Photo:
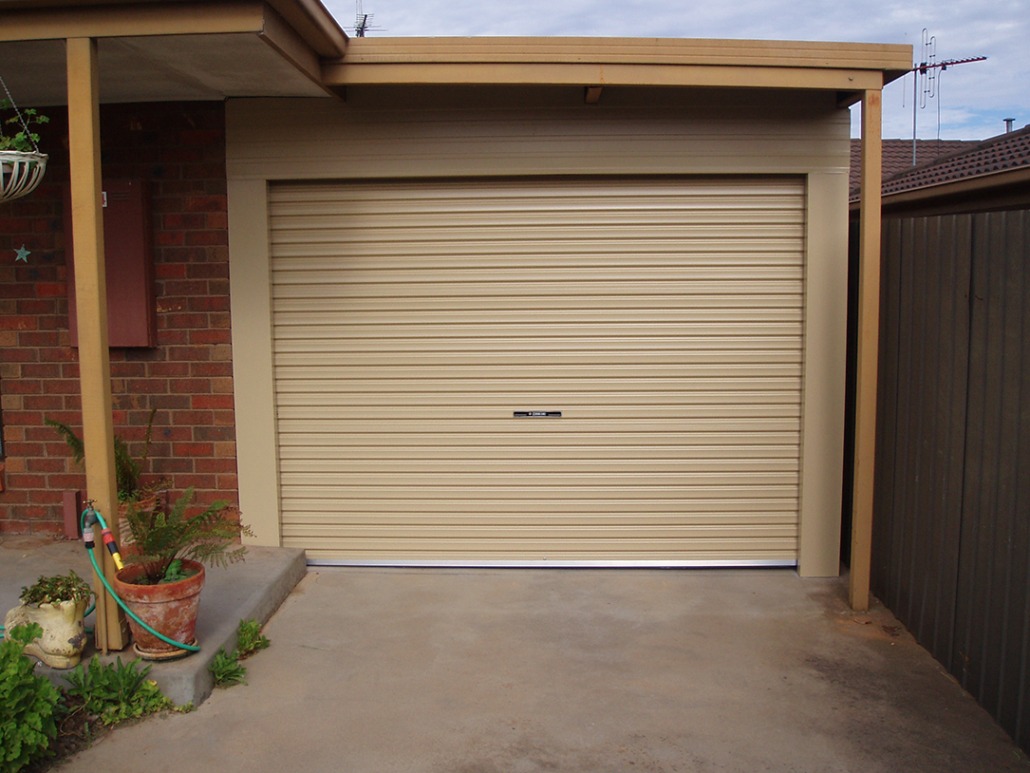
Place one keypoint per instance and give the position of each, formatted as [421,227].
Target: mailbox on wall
[131,311]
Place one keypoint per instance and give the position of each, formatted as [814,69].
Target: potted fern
[167,551]
[57,604]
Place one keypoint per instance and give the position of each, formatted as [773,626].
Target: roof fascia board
[133,21]
[283,38]
[317,27]
[894,60]
[847,67]
[633,50]
[349,74]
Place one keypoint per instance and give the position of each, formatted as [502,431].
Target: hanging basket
[20,173]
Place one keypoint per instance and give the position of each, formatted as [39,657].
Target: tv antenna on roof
[925,81]
[362,21]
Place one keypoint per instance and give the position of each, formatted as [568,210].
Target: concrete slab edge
[189,680]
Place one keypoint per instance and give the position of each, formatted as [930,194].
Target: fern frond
[161,536]
[74,442]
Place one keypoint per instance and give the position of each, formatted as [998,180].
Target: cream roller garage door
[570,371]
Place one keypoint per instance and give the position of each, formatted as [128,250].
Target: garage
[547,302]
[572,371]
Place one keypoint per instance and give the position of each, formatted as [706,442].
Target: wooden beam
[134,20]
[846,67]
[676,51]
[347,73]
[91,294]
[868,351]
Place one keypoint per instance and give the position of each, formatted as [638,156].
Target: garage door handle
[537,414]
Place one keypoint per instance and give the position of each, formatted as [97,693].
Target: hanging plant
[21,164]
[21,138]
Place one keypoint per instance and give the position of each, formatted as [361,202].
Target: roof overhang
[161,50]
[168,50]
[848,69]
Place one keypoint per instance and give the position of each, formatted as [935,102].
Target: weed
[227,670]
[249,638]
[116,691]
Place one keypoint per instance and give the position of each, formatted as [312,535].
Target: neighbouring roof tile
[897,156]
[998,154]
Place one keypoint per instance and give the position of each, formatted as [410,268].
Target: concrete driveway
[477,671]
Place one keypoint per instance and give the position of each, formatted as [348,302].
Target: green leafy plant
[128,468]
[160,537]
[175,572]
[227,669]
[115,691]
[249,638]
[19,138]
[31,704]
[56,588]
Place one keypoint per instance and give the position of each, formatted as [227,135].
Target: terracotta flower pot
[169,608]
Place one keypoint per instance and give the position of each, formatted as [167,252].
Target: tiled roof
[897,156]
[998,154]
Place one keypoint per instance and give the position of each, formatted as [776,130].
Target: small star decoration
[22,255]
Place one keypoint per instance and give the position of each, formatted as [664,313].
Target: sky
[969,101]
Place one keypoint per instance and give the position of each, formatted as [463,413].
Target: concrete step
[253,589]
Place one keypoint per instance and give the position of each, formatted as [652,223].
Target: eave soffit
[170,51]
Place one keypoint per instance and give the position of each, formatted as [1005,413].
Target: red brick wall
[179,149]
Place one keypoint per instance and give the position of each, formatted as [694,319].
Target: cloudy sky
[971,101]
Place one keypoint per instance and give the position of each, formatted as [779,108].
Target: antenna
[925,84]
[362,21]
[928,70]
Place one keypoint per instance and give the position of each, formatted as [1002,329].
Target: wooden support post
[91,296]
[868,352]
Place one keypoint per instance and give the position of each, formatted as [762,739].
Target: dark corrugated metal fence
[952,531]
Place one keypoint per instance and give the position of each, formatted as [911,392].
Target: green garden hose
[88,515]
